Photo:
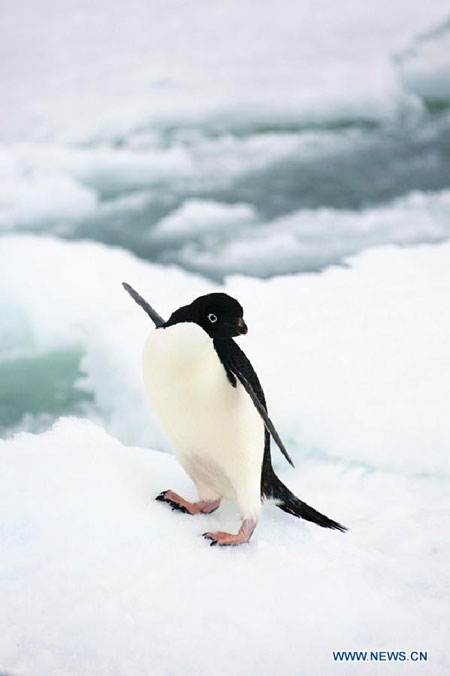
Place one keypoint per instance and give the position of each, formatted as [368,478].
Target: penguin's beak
[241,326]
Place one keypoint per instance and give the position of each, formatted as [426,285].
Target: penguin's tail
[289,503]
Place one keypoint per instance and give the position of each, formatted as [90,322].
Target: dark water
[34,385]
[353,166]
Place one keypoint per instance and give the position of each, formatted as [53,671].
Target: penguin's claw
[176,507]
[215,536]
[179,504]
[228,539]
[225,539]
[209,536]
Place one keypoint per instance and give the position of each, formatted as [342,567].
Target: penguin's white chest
[215,430]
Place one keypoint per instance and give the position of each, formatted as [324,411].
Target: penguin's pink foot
[227,539]
[181,505]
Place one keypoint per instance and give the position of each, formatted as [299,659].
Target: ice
[39,194]
[230,204]
[365,347]
[119,119]
[424,65]
[48,184]
[202,216]
[314,239]
[83,73]
[98,578]
[45,184]
[245,138]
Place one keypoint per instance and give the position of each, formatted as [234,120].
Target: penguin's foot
[181,505]
[227,539]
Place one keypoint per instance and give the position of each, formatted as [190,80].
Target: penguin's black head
[220,315]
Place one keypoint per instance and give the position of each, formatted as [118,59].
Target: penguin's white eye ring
[212,318]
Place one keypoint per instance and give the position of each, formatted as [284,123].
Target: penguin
[211,405]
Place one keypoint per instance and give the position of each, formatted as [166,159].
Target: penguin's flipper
[154,316]
[263,413]
[237,365]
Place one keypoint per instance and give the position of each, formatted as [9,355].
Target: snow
[315,238]
[240,138]
[97,578]
[96,71]
[199,216]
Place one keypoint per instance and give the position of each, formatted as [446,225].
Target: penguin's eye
[212,318]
